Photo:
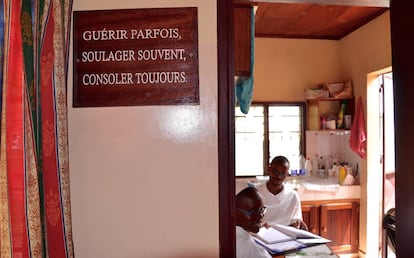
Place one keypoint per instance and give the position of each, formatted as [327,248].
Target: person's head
[249,209]
[278,170]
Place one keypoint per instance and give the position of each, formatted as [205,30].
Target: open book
[280,238]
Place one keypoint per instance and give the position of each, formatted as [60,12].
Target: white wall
[364,54]
[144,179]
[283,68]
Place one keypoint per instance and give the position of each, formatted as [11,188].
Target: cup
[302,171]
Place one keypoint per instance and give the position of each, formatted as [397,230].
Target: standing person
[249,215]
[282,202]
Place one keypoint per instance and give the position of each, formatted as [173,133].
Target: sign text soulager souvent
[135,57]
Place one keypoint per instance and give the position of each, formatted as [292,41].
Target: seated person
[249,215]
[283,203]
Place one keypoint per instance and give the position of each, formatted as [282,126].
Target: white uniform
[283,207]
[246,247]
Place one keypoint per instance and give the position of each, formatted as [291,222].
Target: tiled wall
[331,144]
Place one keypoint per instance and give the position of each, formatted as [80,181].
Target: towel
[358,139]
[244,93]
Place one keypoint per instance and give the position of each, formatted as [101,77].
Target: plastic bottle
[308,167]
[321,167]
[327,164]
[335,170]
[315,168]
[302,162]
[340,121]
[321,163]
[342,174]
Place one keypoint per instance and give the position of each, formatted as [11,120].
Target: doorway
[357,44]
[226,132]
[402,55]
[381,156]
[387,139]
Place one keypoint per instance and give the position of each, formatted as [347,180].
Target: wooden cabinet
[310,214]
[337,220]
[242,39]
[319,107]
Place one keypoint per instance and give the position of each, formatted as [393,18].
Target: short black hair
[280,160]
[246,193]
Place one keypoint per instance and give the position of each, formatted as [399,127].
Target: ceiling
[312,21]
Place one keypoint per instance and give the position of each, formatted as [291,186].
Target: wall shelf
[327,107]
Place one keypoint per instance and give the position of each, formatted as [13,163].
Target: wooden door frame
[226,159]
[402,41]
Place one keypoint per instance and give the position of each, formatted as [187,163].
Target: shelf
[327,107]
[331,99]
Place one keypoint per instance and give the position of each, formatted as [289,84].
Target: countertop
[311,188]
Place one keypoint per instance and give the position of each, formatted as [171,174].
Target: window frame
[266,145]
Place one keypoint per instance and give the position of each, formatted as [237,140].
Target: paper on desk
[281,238]
[271,235]
[281,247]
[302,236]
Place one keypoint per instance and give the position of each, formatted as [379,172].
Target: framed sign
[135,57]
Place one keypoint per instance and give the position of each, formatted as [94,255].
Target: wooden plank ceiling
[313,21]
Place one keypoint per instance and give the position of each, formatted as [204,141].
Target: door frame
[226,159]
[402,40]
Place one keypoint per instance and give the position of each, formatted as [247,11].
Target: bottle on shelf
[340,120]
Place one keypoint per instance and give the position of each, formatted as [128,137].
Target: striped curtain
[35,214]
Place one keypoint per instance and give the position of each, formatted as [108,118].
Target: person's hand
[266,225]
[299,224]
[295,223]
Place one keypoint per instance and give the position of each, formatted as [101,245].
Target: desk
[308,252]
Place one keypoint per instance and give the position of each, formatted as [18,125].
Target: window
[268,130]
